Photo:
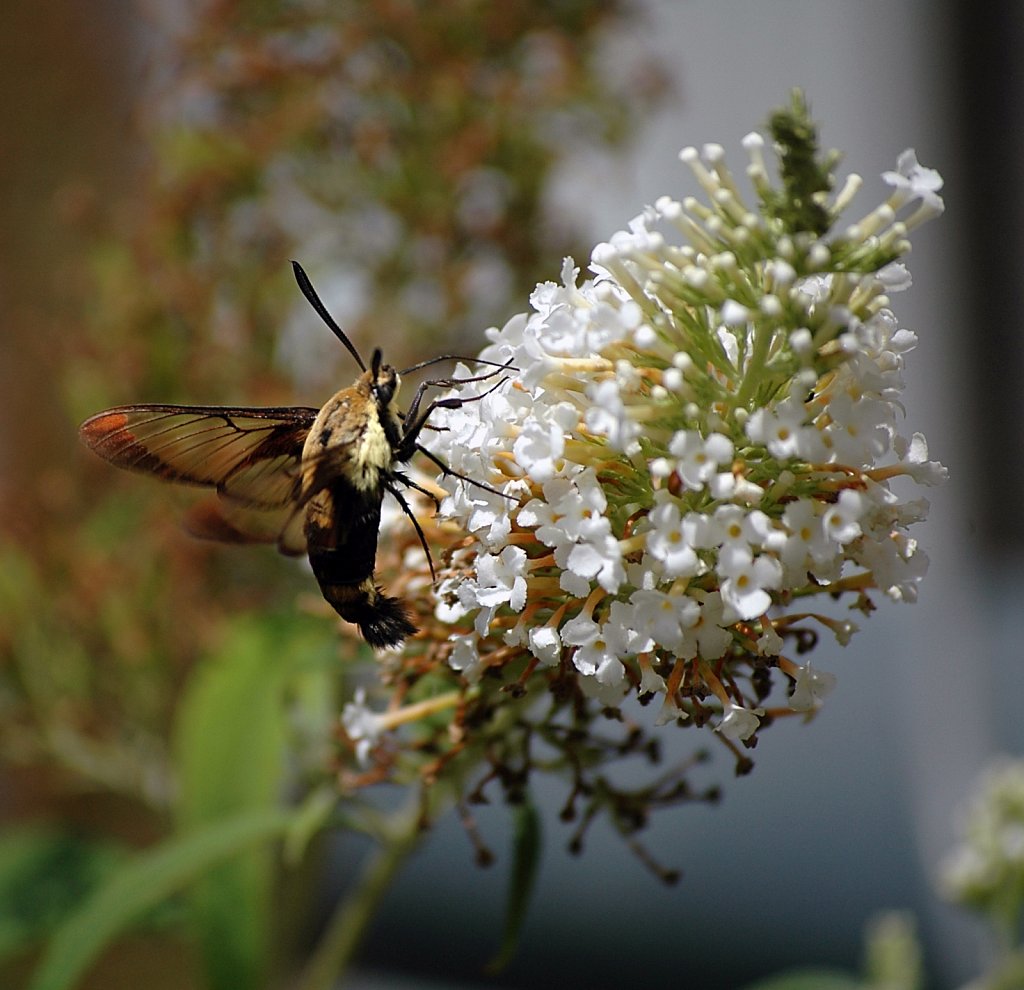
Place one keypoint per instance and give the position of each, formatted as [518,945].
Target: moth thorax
[348,441]
[371,454]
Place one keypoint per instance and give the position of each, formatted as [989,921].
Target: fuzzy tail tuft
[384,621]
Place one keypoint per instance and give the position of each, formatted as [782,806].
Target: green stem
[755,366]
[352,916]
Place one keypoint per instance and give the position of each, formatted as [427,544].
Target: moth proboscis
[308,480]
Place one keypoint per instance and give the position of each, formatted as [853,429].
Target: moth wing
[229,522]
[251,456]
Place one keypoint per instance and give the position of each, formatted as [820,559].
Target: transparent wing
[229,522]
[251,456]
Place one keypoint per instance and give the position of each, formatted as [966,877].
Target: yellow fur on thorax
[357,449]
[371,455]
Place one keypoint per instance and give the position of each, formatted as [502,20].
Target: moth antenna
[314,300]
[457,357]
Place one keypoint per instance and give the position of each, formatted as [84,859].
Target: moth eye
[384,390]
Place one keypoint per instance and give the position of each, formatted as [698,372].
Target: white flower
[546,645]
[913,181]
[988,865]
[807,540]
[541,444]
[362,725]
[608,416]
[669,542]
[599,557]
[698,459]
[667,619]
[572,509]
[914,457]
[732,528]
[769,643]
[502,579]
[713,638]
[859,430]
[670,712]
[784,430]
[810,688]
[841,521]
[651,682]
[465,657]
[739,722]
[747,580]
[896,564]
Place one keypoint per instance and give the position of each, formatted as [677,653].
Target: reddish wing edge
[250,455]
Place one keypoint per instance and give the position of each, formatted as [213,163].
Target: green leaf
[44,874]
[526,851]
[231,746]
[312,816]
[144,882]
[809,979]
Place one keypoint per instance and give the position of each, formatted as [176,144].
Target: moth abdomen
[383,621]
[341,532]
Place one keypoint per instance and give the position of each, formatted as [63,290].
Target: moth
[308,480]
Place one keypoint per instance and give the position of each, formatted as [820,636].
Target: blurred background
[160,161]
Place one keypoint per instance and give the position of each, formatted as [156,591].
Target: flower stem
[353,914]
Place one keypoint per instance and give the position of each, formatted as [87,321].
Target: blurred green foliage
[402,150]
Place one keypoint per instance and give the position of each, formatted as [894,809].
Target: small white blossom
[465,657]
[597,558]
[913,181]
[670,712]
[810,688]
[698,459]
[785,431]
[546,645]
[502,579]
[986,871]
[651,682]
[807,544]
[670,543]
[710,630]
[540,446]
[739,722]
[747,580]
[362,725]
[668,620]
[914,457]
[769,643]
[841,521]
[608,416]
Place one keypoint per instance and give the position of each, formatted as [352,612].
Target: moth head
[384,380]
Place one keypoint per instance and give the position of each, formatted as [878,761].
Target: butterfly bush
[693,443]
[692,456]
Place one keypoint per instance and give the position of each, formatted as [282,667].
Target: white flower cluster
[987,870]
[692,439]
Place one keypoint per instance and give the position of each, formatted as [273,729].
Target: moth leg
[448,472]
[400,499]
[415,420]
[409,483]
[414,406]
